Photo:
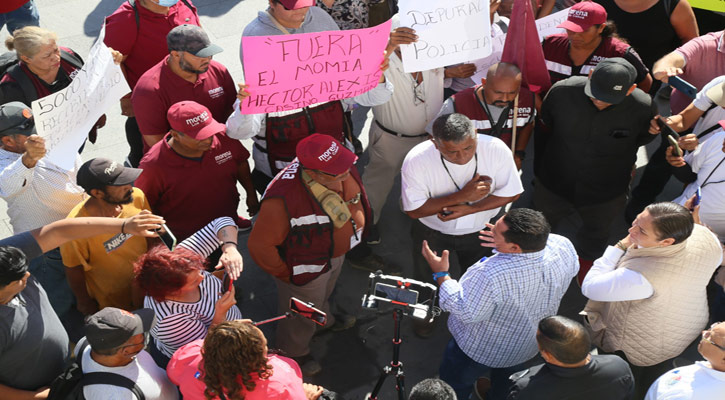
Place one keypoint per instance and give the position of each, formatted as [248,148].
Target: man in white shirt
[452,186]
[37,193]
[702,380]
[117,339]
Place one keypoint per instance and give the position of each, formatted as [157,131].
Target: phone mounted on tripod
[413,298]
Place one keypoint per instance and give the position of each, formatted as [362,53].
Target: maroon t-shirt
[190,193]
[556,53]
[160,88]
[145,44]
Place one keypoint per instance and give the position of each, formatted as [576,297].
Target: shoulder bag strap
[109,378]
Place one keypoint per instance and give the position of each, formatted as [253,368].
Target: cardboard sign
[449,32]
[64,118]
[287,72]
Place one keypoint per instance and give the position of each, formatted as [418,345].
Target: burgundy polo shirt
[160,88]
[190,193]
[145,44]
[11,5]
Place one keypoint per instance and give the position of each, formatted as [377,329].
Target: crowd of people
[146,249]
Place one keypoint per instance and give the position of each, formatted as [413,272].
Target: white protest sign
[64,118]
[546,26]
[449,32]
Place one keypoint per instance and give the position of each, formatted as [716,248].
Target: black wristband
[520,153]
[234,243]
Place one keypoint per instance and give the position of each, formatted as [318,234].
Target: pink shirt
[704,61]
[285,382]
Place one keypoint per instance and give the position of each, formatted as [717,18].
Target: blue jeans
[26,15]
[49,270]
[461,372]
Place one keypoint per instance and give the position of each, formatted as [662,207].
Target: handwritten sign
[712,5]
[287,72]
[64,118]
[546,26]
[449,32]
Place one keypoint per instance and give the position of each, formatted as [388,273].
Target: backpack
[9,65]
[69,385]
[135,11]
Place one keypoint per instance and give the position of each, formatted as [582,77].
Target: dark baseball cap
[16,118]
[324,153]
[611,80]
[191,39]
[112,327]
[100,172]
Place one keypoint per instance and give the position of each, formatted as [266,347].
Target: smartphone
[307,310]
[683,86]
[698,197]
[396,294]
[676,150]
[664,128]
[167,237]
[227,283]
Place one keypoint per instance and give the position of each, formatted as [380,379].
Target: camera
[413,298]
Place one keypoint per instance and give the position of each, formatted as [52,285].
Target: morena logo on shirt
[224,157]
[201,118]
[216,92]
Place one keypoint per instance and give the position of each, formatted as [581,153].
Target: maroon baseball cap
[323,153]
[583,15]
[194,120]
[295,4]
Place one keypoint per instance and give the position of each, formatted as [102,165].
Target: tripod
[396,367]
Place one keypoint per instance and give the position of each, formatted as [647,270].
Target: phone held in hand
[676,150]
[698,197]
[664,128]
[683,86]
[167,237]
[227,283]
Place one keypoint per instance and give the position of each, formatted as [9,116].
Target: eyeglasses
[707,335]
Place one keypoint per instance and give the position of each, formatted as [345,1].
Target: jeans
[49,270]
[461,372]
[26,15]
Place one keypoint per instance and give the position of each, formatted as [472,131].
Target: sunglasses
[707,336]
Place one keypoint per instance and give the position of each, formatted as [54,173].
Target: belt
[396,133]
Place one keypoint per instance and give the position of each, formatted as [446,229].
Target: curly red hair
[160,272]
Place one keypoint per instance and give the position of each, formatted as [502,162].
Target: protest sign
[449,32]
[287,72]
[712,5]
[64,118]
[546,26]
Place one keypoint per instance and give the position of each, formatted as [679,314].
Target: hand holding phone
[167,237]
[676,150]
[666,129]
[698,198]
[683,86]
[227,283]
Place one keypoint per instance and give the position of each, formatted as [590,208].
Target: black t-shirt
[606,377]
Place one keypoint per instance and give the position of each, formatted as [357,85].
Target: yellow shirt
[108,259]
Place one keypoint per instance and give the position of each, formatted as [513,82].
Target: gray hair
[453,128]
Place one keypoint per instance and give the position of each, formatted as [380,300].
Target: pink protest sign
[287,72]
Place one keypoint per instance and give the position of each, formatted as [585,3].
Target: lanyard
[475,170]
[495,125]
[705,182]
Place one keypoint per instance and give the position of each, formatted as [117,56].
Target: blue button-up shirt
[496,307]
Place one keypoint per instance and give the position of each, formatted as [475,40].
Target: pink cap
[295,4]
[194,120]
[323,153]
[583,15]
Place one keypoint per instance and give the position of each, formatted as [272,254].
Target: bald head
[501,85]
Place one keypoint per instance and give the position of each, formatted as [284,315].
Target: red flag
[523,47]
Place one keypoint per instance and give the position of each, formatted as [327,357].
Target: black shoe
[373,235]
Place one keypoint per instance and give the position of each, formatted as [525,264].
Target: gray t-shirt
[34,346]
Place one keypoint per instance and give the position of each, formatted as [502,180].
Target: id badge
[356,238]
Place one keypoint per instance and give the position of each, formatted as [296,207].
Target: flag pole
[513,129]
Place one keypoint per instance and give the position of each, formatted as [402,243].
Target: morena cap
[16,118]
[193,120]
[611,80]
[191,39]
[112,327]
[717,94]
[295,4]
[583,15]
[323,153]
[99,172]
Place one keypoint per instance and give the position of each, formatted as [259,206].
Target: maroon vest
[283,133]
[308,247]
[466,102]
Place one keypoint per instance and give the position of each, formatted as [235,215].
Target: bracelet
[123,225]
[230,242]
[440,275]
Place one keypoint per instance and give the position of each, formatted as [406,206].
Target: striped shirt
[179,323]
[498,303]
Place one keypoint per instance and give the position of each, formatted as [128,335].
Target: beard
[128,199]
[187,67]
